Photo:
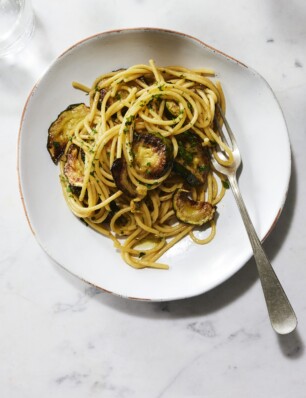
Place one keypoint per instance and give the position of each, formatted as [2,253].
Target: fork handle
[281,313]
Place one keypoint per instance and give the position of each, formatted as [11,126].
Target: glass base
[19,38]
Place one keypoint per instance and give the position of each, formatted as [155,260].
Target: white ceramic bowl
[255,117]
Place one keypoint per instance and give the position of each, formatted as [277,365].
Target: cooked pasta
[135,164]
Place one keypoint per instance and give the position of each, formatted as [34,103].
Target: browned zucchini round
[192,161]
[62,129]
[191,211]
[153,154]
[121,177]
[74,166]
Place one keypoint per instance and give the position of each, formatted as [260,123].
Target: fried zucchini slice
[74,166]
[153,154]
[191,211]
[121,178]
[192,161]
[62,129]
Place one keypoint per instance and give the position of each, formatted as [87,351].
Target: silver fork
[282,316]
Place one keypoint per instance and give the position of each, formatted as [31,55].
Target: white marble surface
[62,338]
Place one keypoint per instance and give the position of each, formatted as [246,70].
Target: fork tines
[229,138]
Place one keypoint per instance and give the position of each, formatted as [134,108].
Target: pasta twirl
[147,134]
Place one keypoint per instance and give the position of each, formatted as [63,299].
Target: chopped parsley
[225,184]
[149,185]
[157,97]
[184,154]
[192,140]
[129,120]
[203,167]
[56,144]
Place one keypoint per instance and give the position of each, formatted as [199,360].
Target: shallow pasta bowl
[194,269]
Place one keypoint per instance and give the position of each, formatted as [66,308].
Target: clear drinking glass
[16,25]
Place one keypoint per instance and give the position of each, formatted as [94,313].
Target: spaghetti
[136,116]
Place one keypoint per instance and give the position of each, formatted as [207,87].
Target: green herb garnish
[185,155]
[129,120]
[203,167]
[225,184]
